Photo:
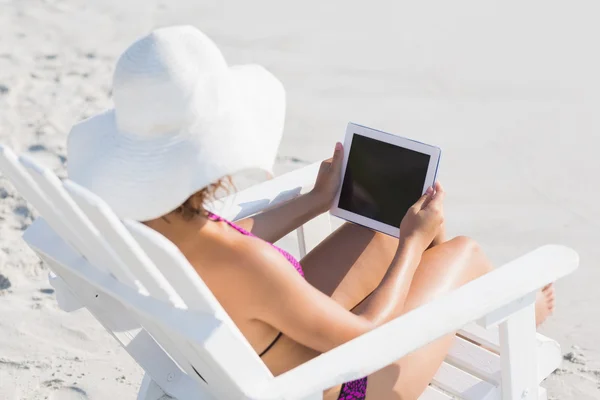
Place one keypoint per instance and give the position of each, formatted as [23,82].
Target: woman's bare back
[213,249]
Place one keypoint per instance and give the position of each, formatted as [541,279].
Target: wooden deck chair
[145,293]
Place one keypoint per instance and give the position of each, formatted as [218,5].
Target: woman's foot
[544,304]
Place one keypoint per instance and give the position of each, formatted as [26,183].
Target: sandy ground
[510,91]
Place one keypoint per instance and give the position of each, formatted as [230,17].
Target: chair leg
[149,390]
[518,353]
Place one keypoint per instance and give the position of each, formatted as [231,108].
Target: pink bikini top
[241,230]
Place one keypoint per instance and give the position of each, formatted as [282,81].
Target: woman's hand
[328,180]
[425,218]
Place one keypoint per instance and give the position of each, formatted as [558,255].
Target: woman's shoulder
[236,266]
[216,246]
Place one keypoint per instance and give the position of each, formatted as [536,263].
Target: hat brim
[144,179]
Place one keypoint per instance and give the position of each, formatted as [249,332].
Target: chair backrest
[139,270]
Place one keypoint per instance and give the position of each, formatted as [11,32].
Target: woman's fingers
[325,165]
[439,190]
[429,192]
[437,200]
[338,156]
[419,204]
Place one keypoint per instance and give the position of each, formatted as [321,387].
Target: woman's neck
[175,227]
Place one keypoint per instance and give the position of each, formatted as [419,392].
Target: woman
[183,122]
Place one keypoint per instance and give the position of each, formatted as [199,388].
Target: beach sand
[509,91]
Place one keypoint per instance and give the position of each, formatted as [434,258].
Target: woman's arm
[280,297]
[277,222]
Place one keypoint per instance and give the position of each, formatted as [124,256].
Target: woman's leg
[351,262]
[443,268]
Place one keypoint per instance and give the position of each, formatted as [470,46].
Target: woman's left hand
[329,179]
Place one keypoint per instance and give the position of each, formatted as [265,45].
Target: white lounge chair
[145,293]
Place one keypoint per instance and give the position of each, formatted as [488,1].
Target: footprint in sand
[69,393]
[60,392]
[4,282]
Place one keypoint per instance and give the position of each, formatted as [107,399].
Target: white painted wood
[165,341]
[267,194]
[518,352]
[246,368]
[175,268]
[115,318]
[432,393]
[549,357]
[500,315]
[96,250]
[316,230]
[24,183]
[302,250]
[431,321]
[64,297]
[149,390]
[464,385]
[488,338]
[28,183]
[475,360]
[185,353]
[121,242]
[173,328]
[548,350]
[79,227]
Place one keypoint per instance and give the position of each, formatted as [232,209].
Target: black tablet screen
[382,180]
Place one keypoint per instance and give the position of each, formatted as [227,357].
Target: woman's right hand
[424,219]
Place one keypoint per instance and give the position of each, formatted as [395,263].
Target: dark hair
[194,205]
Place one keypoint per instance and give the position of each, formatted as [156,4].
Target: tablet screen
[382,181]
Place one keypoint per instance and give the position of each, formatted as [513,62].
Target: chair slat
[143,269]
[464,385]
[548,350]
[175,268]
[126,331]
[96,249]
[267,194]
[118,320]
[476,360]
[243,369]
[24,183]
[189,337]
[432,393]
[126,248]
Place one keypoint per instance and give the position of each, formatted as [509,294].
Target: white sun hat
[182,119]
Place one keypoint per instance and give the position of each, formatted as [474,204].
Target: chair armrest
[267,194]
[395,339]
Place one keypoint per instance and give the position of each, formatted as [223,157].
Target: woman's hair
[194,205]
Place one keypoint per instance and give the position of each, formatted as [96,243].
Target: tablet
[383,176]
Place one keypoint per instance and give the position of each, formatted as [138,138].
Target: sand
[510,91]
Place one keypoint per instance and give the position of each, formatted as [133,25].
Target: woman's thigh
[350,263]
[442,269]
